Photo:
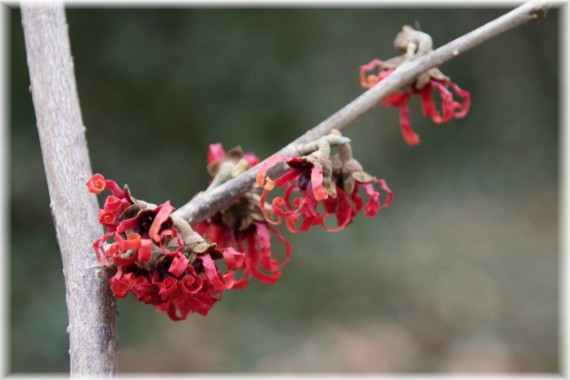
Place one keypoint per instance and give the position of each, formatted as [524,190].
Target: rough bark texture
[207,203]
[91,309]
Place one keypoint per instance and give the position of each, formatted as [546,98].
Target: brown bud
[403,38]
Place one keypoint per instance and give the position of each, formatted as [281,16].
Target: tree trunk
[91,309]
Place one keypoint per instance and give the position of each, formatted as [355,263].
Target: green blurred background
[460,274]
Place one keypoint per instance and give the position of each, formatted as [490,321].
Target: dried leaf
[363,177]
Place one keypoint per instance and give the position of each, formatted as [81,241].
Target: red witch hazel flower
[241,225]
[416,44]
[158,257]
[223,166]
[319,179]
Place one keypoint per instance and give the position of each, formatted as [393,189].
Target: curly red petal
[108,218]
[168,288]
[212,273]
[317,184]
[278,203]
[390,194]
[341,207]
[191,284]
[265,166]
[215,153]
[132,241]
[127,224]
[121,283]
[144,291]
[446,102]
[262,201]
[96,184]
[374,204]
[410,136]
[145,250]
[251,159]
[235,261]
[461,110]
[428,104]
[162,214]
[166,237]
[100,252]
[179,265]
[307,210]
[368,80]
[254,256]
[264,241]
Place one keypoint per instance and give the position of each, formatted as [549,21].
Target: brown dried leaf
[348,184]
[131,211]
[362,177]
[212,168]
[329,186]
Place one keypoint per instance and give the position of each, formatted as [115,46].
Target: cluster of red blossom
[242,225]
[182,269]
[318,178]
[163,261]
[410,40]
[158,258]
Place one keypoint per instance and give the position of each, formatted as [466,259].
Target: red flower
[255,243]
[416,43]
[316,179]
[217,155]
[114,205]
[450,107]
[159,258]
[242,226]
[97,183]
[347,206]
[224,165]
[176,286]
[306,182]
[132,239]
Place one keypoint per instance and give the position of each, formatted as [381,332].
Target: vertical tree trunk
[91,309]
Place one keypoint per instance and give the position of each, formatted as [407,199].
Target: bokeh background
[460,274]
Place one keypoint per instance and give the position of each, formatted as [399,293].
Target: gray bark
[91,309]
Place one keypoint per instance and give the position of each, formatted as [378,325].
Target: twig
[205,204]
[91,309]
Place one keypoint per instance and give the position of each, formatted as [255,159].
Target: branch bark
[91,308]
[207,203]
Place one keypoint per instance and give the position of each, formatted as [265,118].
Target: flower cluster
[158,257]
[320,186]
[241,225]
[180,269]
[416,44]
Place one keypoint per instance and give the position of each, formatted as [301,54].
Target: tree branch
[207,203]
[91,309]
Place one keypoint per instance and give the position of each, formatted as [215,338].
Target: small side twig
[206,204]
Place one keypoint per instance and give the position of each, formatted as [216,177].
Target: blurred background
[460,274]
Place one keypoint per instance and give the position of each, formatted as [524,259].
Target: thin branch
[207,203]
[91,309]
